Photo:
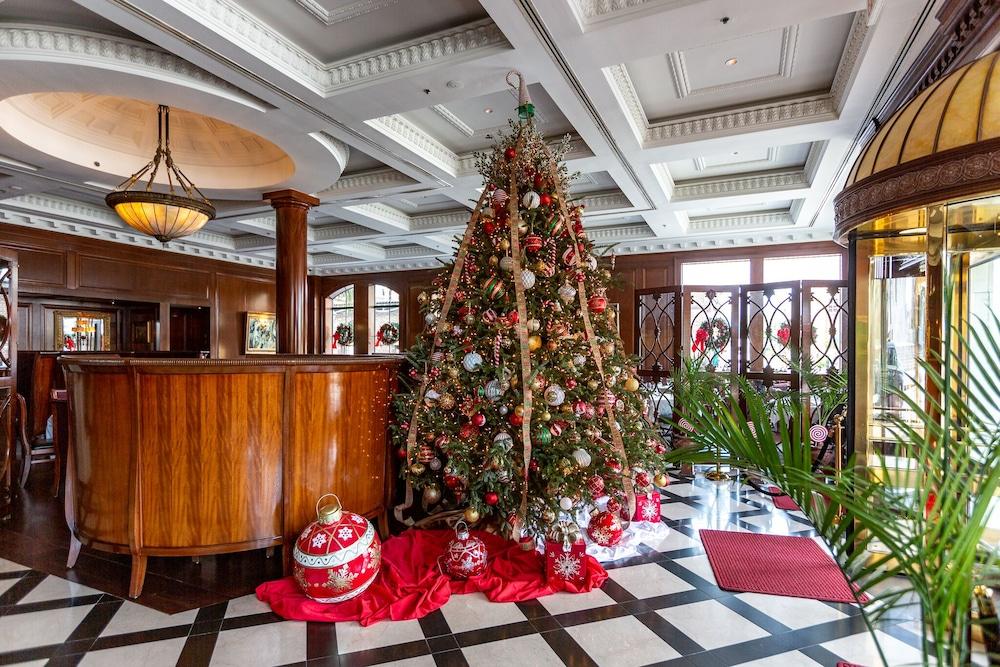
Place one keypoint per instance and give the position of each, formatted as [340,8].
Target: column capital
[291,199]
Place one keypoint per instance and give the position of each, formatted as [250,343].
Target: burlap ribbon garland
[449,297]
[616,437]
[522,332]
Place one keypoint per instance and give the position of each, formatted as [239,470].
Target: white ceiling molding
[590,12]
[370,182]
[728,241]
[453,120]
[340,151]
[438,221]
[624,233]
[732,186]
[763,220]
[628,99]
[772,155]
[78,47]
[850,58]
[342,14]
[453,45]
[405,133]
[786,63]
[603,202]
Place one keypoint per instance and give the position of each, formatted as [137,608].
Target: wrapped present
[647,506]
[565,552]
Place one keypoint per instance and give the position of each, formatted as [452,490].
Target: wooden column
[291,292]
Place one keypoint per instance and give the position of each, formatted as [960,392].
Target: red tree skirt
[411,585]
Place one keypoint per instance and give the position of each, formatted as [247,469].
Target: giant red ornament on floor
[605,529]
[466,554]
[337,556]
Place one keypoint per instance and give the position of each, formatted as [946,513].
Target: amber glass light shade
[164,217]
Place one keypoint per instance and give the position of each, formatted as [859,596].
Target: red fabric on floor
[411,585]
[774,565]
[783,502]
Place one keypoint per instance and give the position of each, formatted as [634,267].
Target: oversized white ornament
[554,395]
[582,457]
[527,278]
[534,325]
[567,292]
[507,263]
[566,504]
[591,262]
[531,199]
[472,361]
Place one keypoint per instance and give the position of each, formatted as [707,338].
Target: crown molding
[343,14]
[341,231]
[365,183]
[764,220]
[457,219]
[786,63]
[731,186]
[403,132]
[612,235]
[628,99]
[850,58]
[446,114]
[237,25]
[590,12]
[577,150]
[729,241]
[78,47]
[603,202]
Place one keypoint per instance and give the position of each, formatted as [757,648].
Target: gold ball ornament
[631,384]
[494,260]
[446,402]
[593,384]
[537,384]
[660,479]
[432,494]
[422,298]
[534,342]
[566,407]
[519,410]
[471,515]
[417,469]
[504,244]
[545,416]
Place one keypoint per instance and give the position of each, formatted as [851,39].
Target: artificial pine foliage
[523,306]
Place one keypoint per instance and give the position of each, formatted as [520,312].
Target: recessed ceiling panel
[743,160]
[783,62]
[464,125]
[334,30]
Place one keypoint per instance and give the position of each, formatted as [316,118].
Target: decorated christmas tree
[522,404]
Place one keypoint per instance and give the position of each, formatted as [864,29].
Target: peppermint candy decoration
[686,425]
[490,316]
[818,433]
[753,429]
[500,197]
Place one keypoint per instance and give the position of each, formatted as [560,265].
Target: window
[816,267]
[340,321]
[383,320]
[729,272]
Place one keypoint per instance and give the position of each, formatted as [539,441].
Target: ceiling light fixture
[162,215]
[732,61]
[487,110]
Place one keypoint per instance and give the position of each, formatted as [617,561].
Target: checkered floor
[662,607]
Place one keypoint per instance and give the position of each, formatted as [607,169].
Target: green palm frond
[930,531]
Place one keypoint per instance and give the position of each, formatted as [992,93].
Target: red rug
[783,502]
[774,565]
[410,584]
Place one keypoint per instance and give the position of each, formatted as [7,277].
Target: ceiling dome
[960,109]
[942,144]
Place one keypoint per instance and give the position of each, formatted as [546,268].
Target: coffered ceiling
[693,123]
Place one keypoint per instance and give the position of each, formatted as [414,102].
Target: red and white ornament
[596,486]
[605,528]
[466,554]
[338,556]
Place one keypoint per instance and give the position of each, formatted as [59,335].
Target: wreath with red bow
[343,335]
[388,334]
[711,335]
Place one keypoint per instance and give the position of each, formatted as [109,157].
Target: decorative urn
[338,556]
[466,554]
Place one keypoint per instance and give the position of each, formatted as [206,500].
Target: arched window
[383,320]
[340,321]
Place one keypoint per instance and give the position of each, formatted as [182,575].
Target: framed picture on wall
[260,334]
[83,331]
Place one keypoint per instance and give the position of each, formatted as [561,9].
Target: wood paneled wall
[632,272]
[60,268]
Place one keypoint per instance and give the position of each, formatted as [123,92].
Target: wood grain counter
[187,457]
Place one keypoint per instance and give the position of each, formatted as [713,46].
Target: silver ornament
[504,440]
[534,325]
[527,278]
[507,263]
[566,504]
[567,292]
[472,361]
[493,390]
[531,199]
[503,409]
[554,395]
[582,457]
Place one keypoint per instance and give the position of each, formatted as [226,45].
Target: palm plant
[931,532]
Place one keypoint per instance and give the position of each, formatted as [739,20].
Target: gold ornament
[548,516]
[504,244]
[519,410]
[545,416]
[566,407]
[534,342]
[538,383]
[494,260]
[422,298]
[660,479]
[432,494]
[607,349]
[471,514]
[631,384]
[593,384]
[417,469]
[447,401]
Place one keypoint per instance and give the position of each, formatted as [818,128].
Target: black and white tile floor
[662,607]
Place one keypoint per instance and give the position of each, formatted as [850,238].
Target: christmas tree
[523,404]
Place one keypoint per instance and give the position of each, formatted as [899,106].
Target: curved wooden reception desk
[186,457]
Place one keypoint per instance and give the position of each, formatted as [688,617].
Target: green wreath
[388,334]
[343,335]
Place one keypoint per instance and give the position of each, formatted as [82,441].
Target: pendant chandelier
[164,216]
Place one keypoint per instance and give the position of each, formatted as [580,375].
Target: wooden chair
[36,376]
